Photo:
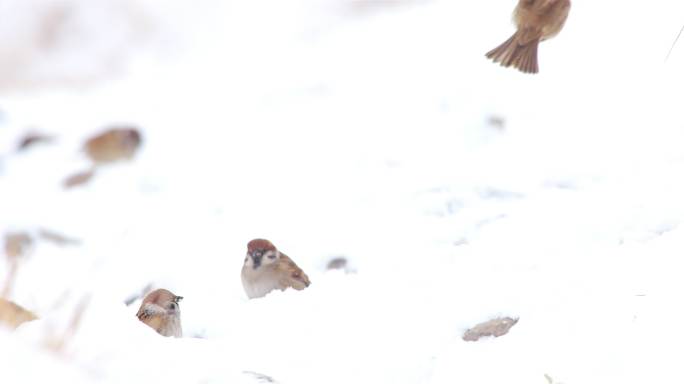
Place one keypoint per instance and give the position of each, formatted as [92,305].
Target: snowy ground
[363,130]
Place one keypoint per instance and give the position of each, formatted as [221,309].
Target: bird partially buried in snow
[161,312]
[536,20]
[266,269]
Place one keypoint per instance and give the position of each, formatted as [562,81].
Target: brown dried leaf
[13,315]
[495,327]
[78,178]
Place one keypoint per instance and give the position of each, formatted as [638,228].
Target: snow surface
[357,129]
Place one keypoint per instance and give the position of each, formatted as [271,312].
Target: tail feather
[520,56]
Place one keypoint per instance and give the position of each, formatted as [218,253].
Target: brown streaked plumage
[266,269]
[161,312]
[114,144]
[536,20]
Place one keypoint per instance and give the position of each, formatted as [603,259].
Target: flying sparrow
[161,312]
[536,20]
[112,145]
[266,269]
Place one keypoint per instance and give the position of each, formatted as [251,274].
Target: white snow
[356,129]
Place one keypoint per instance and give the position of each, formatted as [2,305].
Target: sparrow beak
[256,259]
[178,299]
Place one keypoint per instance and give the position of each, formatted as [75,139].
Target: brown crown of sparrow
[536,20]
[266,269]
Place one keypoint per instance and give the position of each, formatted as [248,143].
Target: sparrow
[266,269]
[160,311]
[114,144]
[536,20]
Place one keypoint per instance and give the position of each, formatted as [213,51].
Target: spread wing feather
[293,276]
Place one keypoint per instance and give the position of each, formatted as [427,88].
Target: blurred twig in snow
[138,295]
[57,343]
[17,244]
[57,238]
[11,276]
[550,380]
[260,377]
[674,43]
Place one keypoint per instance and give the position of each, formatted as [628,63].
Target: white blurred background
[376,131]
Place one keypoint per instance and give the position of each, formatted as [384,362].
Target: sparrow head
[164,300]
[160,311]
[129,138]
[261,252]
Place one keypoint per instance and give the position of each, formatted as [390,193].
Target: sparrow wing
[293,276]
[151,315]
[142,314]
[147,311]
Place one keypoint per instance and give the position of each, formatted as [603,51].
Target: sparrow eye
[173,306]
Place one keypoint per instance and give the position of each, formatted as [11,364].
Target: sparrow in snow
[161,312]
[13,315]
[266,269]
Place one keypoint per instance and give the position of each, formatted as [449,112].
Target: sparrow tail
[520,56]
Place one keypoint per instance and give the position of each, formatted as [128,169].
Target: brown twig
[11,277]
[58,343]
